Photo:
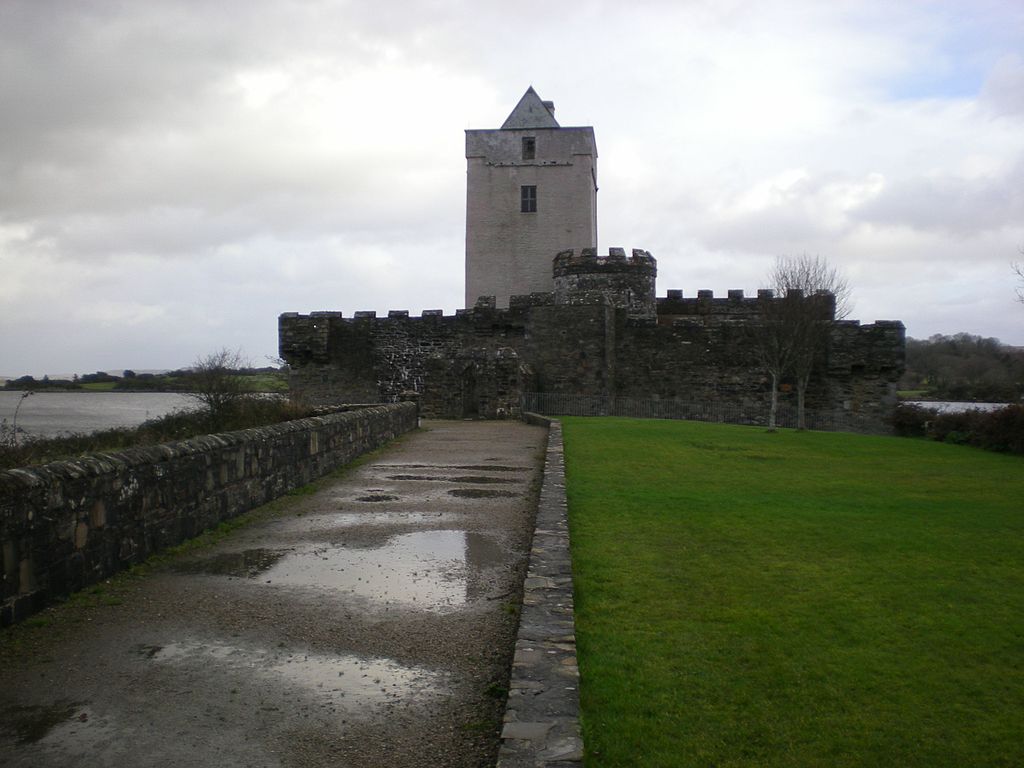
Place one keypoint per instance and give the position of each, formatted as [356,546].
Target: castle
[547,314]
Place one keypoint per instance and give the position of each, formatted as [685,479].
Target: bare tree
[809,295]
[1018,269]
[9,434]
[775,344]
[215,382]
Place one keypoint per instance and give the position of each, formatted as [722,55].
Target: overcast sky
[175,174]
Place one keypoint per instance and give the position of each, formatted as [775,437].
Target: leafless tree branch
[215,383]
[1018,269]
[809,295]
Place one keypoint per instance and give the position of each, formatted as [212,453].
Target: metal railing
[550,404]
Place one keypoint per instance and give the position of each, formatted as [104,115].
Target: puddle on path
[482,479]
[346,680]
[481,493]
[463,467]
[377,497]
[430,570]
[426,569]
[492,468]
[318,521]
[29,724]
[247,563]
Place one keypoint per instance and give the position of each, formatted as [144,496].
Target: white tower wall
[509,251]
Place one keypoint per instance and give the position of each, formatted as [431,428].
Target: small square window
[528,199]
[529,148]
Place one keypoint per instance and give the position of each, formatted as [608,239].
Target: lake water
[956,407]
[53,413]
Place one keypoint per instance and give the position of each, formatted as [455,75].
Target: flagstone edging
[542,726]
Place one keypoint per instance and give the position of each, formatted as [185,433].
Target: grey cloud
[1003,92]
[87,86]
[80,70]
[138,183]
[198,231]
[803,215]
[950,204]
[779,231]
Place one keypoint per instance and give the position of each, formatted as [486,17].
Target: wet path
[369,623]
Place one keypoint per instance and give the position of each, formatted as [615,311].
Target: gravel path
[370,623]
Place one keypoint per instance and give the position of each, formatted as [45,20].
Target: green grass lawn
[795,599]
[265,382]
[251,382]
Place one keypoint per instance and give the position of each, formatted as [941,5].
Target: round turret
[624,282]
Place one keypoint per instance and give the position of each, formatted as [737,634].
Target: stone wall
[72,523]
[476,362]
[625,283]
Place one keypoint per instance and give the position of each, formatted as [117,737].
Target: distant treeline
[181,380]
[964,367]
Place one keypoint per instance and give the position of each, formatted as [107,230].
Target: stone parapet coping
[542,717]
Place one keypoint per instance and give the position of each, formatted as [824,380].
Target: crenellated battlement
[325,317]
[733,294]
[601,330]
[620,281]
[735,306]
[485,304]
[616,260]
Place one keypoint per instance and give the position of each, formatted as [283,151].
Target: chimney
[549,106]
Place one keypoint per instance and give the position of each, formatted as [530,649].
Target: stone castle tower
[550,323]
[531,192]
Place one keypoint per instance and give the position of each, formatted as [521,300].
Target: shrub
[214,382]
[949,425]
[911,420]
[1001,430]
[955,437]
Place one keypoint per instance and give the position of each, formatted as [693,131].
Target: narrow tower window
[529,147]
[528,199]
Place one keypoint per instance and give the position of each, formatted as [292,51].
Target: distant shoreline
[125,390]
[86,390]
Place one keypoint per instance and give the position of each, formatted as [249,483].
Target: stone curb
[542,716]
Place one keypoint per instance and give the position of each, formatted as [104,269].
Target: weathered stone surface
[627,284]
[526,731]
[600,333]
[280,646]
[542,716]
[71,523]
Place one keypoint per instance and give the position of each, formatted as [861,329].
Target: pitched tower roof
[531,112]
